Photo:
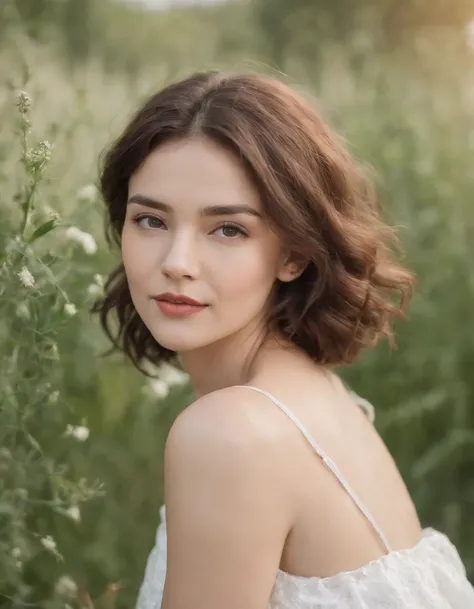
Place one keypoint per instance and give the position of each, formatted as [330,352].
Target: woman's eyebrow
[213,210]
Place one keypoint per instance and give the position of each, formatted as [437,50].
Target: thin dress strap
[328,461]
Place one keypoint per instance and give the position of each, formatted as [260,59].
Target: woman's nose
[181,259]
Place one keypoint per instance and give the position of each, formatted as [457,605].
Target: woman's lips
[174,309]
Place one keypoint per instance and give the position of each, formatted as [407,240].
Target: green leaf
[34,443]
[43,229]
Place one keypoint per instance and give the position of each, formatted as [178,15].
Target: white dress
[429,575]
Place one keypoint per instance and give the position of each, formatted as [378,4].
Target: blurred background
[81,435]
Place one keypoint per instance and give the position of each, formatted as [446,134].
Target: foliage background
[396,78]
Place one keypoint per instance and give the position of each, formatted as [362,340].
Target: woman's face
[194,226]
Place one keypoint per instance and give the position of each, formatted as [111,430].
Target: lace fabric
[430,575]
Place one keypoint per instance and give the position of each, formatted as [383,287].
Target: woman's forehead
[196,172]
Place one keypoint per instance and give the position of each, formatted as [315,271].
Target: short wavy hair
[314,194]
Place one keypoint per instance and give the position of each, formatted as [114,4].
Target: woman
[252,251]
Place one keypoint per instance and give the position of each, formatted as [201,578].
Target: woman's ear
[291,268]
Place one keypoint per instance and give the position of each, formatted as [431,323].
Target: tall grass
[82,436]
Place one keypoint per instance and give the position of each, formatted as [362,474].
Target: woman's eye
[154,222]
[232,231]
[229,231]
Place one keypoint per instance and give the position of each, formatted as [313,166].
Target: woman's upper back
[351,504]
[422,574]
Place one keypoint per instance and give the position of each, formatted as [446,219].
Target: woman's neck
[240,360]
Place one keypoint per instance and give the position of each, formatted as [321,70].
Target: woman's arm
[227,510]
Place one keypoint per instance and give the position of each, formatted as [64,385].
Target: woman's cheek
[247,278]
[138,258]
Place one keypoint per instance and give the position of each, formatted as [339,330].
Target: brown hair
[313,193]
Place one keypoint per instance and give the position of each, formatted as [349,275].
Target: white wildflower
[70,309]
[74,513]
[23,311]
[38,156]
[49,543]
[89,244]
[26,278]
[23,102]
[66,586]
[74,233]
[99,280]
[159,387]
[149,368]
[85,239]
[171,375]
[88,193]
[16,553]
[53,397]
[42,151]
[94,290]
[80,432]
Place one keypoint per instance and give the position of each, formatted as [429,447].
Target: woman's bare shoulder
[225,418]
